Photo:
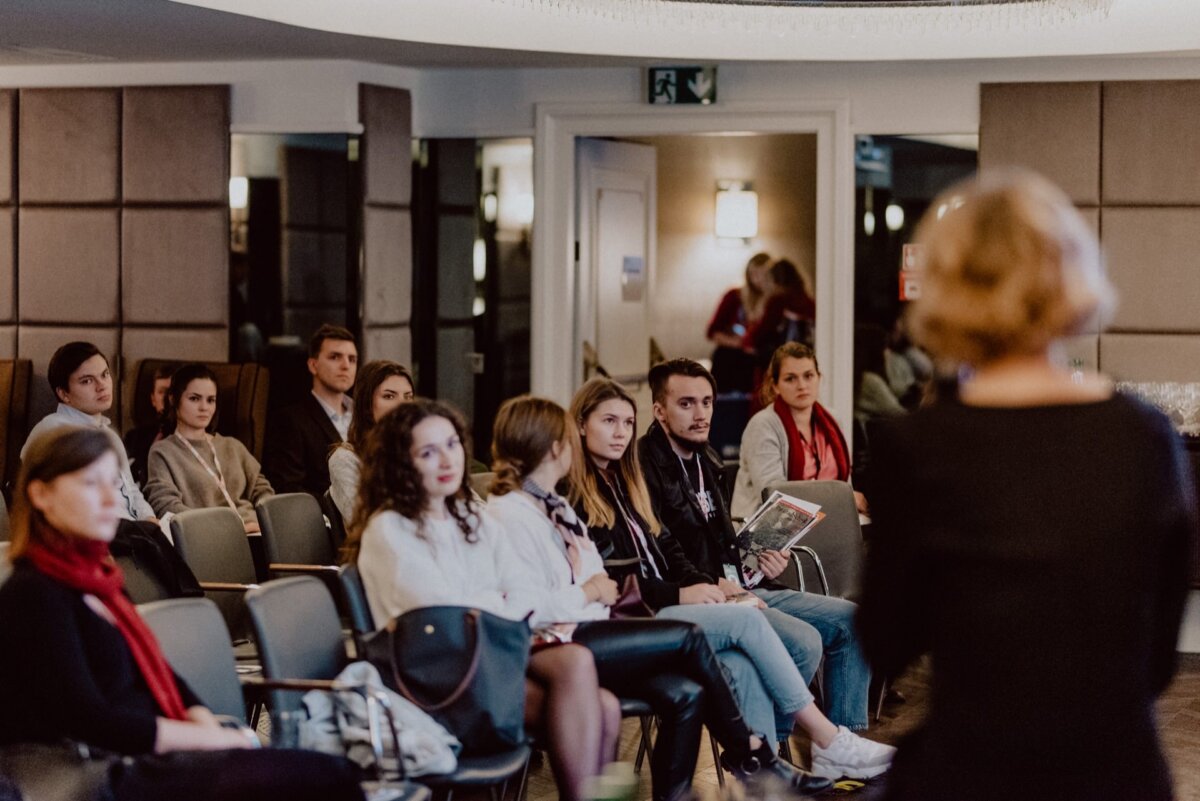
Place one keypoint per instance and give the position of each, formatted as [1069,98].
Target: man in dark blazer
[301,436]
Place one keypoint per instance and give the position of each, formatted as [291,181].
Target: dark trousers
[669,665]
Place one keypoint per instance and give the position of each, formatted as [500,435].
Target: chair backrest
[837,539]
[355,595]
[14,415]
[480,482]
[193,638]
[5,565]
[3,520]
[294,531]
[242,391]
[298,633]
[337,526]
[213,543]
[141,584]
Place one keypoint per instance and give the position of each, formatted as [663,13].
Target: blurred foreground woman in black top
[78,664]
[1031,535]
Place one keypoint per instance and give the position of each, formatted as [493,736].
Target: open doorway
[666,228]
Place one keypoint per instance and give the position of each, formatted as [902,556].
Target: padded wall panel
[1150,357]
[386,115]
[69,145]
[387,343]
[456,169]
[387,269]
[1151,142]
[183,344]
[8,106]
[38,343]
[1051,128]
[1152,262]
[68,261]
[175,144]
[8,342]
[175,266]
[8,264]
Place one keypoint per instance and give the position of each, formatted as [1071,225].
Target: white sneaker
[851,757]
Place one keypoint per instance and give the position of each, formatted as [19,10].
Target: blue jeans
[804,620]
[760,670]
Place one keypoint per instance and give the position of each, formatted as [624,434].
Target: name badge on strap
[732,574]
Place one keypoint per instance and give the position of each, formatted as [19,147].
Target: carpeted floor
[1179,720]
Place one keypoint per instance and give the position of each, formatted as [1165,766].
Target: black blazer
[299,439]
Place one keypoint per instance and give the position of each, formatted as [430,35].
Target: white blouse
[543,562]
[402,570]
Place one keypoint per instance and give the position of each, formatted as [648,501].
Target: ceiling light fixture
[814,16]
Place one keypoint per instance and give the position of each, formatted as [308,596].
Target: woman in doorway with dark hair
[380,386]
[788,313]
[79,664]
[420,539]
[193,467]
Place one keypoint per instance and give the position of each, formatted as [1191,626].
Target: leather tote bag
[630,603]
[464,667]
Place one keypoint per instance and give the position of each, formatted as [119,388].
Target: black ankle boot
[762,766]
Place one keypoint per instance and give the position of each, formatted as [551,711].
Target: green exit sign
[682,85]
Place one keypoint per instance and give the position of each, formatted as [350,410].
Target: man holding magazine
[687,490]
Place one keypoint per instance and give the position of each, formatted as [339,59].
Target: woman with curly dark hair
[420,540]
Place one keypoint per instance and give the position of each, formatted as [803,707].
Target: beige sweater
[176,482]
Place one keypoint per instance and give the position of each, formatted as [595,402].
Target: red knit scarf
[85,565]
[823,424]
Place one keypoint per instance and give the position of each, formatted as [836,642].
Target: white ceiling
[546,33]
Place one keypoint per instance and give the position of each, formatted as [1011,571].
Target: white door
[616,224]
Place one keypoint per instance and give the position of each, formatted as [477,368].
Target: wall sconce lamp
[239,192]
[737,210]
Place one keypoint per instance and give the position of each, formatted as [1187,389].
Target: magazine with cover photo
[777,525]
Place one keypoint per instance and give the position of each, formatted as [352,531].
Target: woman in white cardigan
[419,540]
[793,438]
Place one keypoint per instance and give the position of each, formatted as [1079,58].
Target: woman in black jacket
[78,664]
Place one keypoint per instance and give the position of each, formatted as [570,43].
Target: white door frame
[555,356]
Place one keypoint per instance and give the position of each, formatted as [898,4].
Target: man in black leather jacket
[688,491]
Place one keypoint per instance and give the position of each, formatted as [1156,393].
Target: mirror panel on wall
[897,179]
[472,219]
[293,247]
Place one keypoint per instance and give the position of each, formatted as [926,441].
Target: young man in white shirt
[80,378]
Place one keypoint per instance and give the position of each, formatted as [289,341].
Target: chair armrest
[226,586]
[288,567]
[797,551]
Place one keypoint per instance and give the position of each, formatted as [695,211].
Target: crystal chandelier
[780,17]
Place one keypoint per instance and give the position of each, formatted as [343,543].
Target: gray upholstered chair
[213,543]
[830,557]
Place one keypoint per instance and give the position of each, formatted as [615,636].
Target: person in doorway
[739,309]
[381,386]
[80,378]
[193,467]
[788,313]
[301,435]
[794,437]
[685,479]
[1033,535]
[139,438]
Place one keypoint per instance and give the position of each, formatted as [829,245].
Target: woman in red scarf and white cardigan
[793,438]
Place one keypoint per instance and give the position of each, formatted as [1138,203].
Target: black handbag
[464,667]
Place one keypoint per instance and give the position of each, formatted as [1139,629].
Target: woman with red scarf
[79,665]
[793,438]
